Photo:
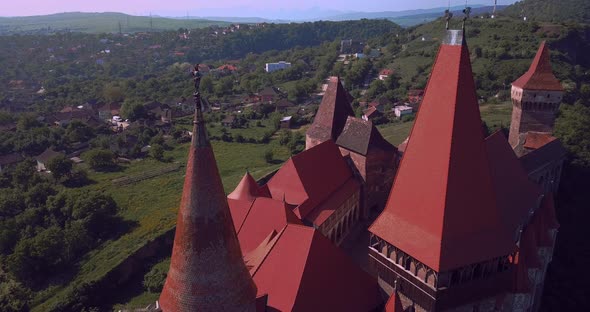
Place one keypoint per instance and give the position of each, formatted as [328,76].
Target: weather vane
[448,17]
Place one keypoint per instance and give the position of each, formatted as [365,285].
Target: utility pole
[151,22]
[120,32]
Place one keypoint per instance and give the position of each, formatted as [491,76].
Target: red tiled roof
[207,270]
[370,111]
[301,270]
[263,216]
[332,113]
[516,195]
[322,212]
[535,140]
[442,207]
[315,172]
[394,304]
[311,177]
[540,75]
[386,72]
[247,189]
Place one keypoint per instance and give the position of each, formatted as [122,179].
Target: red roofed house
[415,96]
[536,97]
[385,73]
[452,227]
[372,157]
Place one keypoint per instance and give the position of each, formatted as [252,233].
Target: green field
[495,116]
[152,204]
[98,23]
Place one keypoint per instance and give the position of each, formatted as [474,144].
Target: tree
[572,127]
[24,174]
[99,159]
[132,110]
[78,131]
[113,93]
[157,152]
[207,85]
[60,167]
[14,297]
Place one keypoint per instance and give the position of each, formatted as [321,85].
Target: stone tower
[536,97]
[207,272]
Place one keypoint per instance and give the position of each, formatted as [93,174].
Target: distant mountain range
[403,18]
[110,22]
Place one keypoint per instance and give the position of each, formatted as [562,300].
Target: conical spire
[540,75]
[332,113]
[247,189]
[207,272]
[437,211]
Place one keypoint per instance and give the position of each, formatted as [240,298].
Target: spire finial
[448,16]
[467,12]
[199,131]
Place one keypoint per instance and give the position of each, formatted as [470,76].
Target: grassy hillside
[97,23]
[501,50]
[551,10]
[151,205]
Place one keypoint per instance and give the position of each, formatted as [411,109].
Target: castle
[468,225]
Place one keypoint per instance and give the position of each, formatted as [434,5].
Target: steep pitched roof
[48,155]
[247,189]
[263,216]
[301,270]
[332,113]
[442,207]
[547,153]
[207,272]
[394,304]
[540,75]
[516,195]
[360,136]
[311,177]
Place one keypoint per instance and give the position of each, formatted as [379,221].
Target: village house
[402,110]
[229,121]
[272,67]
[385,73]
[44,158]
[284,105]
[285,122]
[269,94]
[371,113]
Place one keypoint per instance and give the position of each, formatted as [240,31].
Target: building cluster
[468,225]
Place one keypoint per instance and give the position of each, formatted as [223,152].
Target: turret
[207,272]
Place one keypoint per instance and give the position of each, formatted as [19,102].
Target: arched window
[408,263]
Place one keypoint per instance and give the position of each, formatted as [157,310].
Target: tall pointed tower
[441,237]
[535,98]
[207,272]
[331,116]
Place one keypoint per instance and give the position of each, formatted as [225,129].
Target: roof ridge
[449,163]
[246,216]
[274,242]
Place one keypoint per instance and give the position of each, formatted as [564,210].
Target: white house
[271,67]
[402,110]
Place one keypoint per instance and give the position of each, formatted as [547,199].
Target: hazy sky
[216,7]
